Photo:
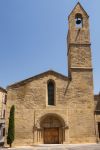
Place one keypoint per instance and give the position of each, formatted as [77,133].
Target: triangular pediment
[79,7]
[49,72]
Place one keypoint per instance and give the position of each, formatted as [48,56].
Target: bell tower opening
[78,20]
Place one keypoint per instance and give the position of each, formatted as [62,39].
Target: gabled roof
[81,8]
[49,72]
[2,89]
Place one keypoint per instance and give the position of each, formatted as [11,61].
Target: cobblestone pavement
[59,147]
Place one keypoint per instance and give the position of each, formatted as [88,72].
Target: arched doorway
[53,129]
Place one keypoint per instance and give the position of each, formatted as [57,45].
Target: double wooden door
[51,136]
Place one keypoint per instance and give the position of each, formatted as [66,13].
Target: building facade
[3,97]
[97,116]
[51,108]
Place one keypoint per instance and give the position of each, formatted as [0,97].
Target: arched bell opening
[53,129]
[78,20]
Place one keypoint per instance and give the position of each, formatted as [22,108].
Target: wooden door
[51,136]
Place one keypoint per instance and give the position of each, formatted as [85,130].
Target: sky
[33,38]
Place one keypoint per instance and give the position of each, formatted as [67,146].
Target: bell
[78,21]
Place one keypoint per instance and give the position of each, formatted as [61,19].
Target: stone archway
[53,129]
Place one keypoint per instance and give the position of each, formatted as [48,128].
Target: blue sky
[33,38]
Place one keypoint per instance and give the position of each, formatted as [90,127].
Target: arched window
[51,93]
[78,20]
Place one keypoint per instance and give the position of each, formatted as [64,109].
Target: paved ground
[59,147]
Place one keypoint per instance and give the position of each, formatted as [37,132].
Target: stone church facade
[52,108]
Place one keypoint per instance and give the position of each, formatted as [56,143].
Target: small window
[78,21]
[3,131]
[99,129]
[5,99]
[51,92]
[3,113]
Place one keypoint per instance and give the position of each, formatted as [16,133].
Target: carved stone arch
[55,118]
[53,127]
[51,80]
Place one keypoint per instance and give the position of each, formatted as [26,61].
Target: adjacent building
[3,98]
[97,116]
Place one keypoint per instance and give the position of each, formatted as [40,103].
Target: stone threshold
[53,145]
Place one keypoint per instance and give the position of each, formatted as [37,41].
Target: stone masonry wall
[30,98]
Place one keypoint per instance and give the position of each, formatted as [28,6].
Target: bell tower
[81,102]
[78,39]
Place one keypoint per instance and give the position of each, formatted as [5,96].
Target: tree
[11,127]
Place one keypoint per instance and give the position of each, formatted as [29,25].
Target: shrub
[11,127]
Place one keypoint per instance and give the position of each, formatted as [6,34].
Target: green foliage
[11,127]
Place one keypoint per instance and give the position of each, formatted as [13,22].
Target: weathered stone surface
[74,98]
